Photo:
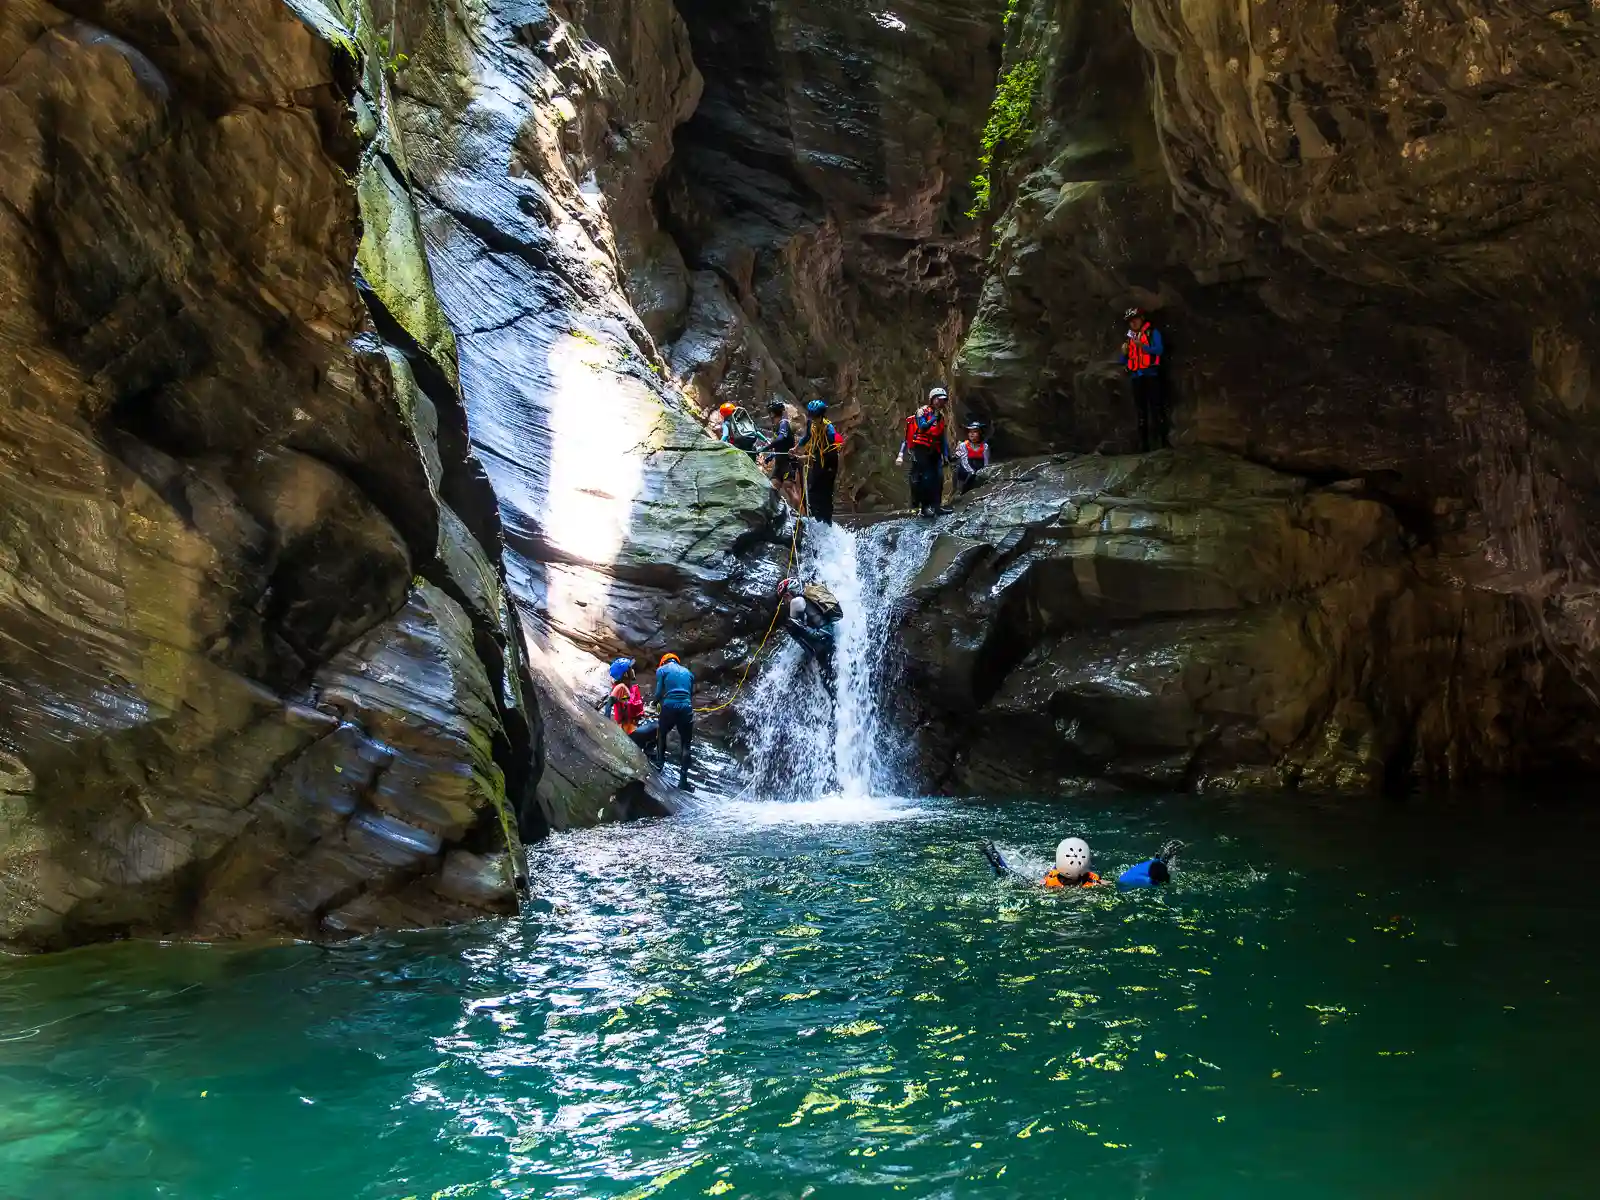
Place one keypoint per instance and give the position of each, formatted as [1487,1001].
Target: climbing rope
[794,549]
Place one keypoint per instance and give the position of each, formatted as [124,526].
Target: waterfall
[802,743]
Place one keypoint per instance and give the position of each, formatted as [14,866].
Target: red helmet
[727,409]
[787,586]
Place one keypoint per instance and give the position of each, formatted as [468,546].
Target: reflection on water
[1327,1004]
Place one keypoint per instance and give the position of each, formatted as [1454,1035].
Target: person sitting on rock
[1142,357]
[625,705]
[675,698]
[811,614]
[819,450]
[972,456]
[738,430]
[929,447]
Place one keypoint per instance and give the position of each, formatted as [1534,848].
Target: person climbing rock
[811,613]
[972,456]
[1142,357]
[625,705]
[819,454]
[738,430]
[675,698]
[929,446]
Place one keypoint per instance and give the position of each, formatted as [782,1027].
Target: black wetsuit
[816,635]
[785,463]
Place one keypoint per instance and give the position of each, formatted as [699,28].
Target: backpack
[825,602]
[742,430]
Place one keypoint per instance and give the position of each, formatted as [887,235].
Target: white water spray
[804,744]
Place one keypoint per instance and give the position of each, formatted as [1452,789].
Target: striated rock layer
[253,677]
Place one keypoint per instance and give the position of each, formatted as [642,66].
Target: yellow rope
[794,547]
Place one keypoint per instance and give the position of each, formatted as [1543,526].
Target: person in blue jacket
[675,696]
[1142,358]
[1152,872]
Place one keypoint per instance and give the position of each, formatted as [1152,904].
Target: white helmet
[1073,858]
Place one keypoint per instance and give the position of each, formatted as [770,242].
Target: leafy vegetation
[1010,122]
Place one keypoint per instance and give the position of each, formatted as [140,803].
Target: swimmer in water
[1073,863]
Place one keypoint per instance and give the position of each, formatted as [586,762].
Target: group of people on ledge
[811,455]
[810,613]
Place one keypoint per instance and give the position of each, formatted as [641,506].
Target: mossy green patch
[394,262]
[1009,125]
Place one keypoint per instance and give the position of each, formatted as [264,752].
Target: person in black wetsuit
[780,446]
[810,614]
[819,452]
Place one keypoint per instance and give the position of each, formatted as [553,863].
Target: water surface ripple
[1329,1003]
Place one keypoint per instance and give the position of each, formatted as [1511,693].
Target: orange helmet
[666,658]
[727,409]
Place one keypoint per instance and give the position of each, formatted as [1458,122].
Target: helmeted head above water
[787,587]
[1073,858]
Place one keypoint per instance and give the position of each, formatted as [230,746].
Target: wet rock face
[1189,621]
[229,702]
[813,239]
[1370,263]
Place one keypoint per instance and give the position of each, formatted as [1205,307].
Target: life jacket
[925,429]
[741,430]
[977,456]
[823,602]
[627,706]
[1054,879]
[1139,357]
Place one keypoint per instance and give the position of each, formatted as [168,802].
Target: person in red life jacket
[626,705]
[1142,358]
[929,446]
[972,456]
[819,450]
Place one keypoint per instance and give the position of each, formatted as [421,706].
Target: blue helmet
[817,407]
[620,667]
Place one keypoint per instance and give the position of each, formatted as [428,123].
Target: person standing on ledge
[1142,357]
[929,447]
[819,451]
[675,695]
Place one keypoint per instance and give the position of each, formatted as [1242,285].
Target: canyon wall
[1371,255]
[252,677]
